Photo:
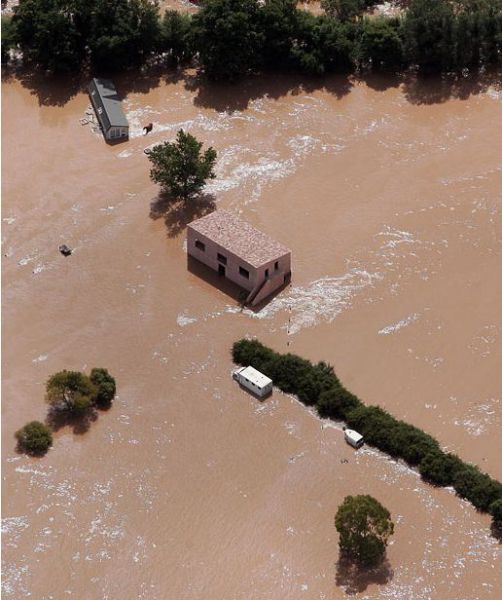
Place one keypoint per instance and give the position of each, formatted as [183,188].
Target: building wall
[210,258]
[114,133]
[275,271]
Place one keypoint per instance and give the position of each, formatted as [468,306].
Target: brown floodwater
[188,488]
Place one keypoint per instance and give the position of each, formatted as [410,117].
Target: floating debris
[65,250]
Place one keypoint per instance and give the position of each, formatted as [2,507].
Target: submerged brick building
[241,253]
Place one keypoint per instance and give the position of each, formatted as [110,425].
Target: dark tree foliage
[364,526]
[344,10]
[176,36]
[279,24]
[228,37]
[323,45]
[337,403]
[180,167]
[479,488]
[428,34]
[318,385]
[496,512]
[124,33]
[440,468]
[48,34]
[9,37]
[380,43]
[71,392]
[105,386]
[34,438]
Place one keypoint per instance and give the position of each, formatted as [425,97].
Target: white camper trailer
[254,381]
[353,438]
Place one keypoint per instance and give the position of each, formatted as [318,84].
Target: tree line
[228,39]
[317,385]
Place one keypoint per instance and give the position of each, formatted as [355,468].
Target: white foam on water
[39,268]
[493,93]
[399,325]
[125,153]
[27,259]
[184,320]
[322,300]
[40,358]
[14,525]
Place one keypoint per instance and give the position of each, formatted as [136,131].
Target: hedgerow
[317,385]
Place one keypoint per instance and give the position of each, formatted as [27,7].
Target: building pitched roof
[104,95]
[239,238]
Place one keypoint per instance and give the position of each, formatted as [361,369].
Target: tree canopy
[105,387]
[70,391]
[124,33]
[49,34]
[180,167]
[228,37]
[364,526]
[34,438]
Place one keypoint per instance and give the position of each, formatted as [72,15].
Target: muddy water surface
[188,488]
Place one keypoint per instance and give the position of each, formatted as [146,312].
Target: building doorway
[221,270]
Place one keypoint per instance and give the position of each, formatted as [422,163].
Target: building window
[244,272]
[266,273]
[222,259]
[276,265]
[200,245]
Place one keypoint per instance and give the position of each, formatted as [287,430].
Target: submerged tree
[124,33]
[9,37]
[34,438]
[180,167]
[228,36]
[71,392]
[49,35]
[105,385]
[364,526]
[380,43]
[428,35]
[175,38]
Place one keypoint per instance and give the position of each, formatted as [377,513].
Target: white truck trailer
[353,438]
[254,381]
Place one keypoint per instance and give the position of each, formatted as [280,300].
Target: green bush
[476,487]
[440,468]
[336,402]
[496,512]
[34,438]
[105,385]
[77,394]
[175,37]
[70,392]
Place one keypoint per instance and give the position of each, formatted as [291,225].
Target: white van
[353,438]
[253,380]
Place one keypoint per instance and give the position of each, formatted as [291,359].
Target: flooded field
[188,488]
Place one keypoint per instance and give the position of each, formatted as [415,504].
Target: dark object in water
[147,128]
[65,250]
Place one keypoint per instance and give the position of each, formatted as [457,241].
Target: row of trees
[70,395]
[317,385]
[230,38]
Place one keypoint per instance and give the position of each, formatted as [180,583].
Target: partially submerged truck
[256,382]
[353,438]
